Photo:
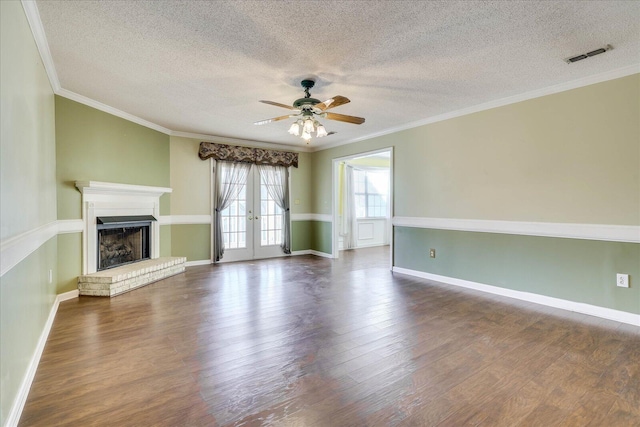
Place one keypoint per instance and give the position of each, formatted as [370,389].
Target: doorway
[363,201]
[252,223]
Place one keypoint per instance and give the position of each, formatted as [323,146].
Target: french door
[252,223]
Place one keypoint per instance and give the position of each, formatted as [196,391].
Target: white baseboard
[68,295]
[23,392]
[199,262]
[305,252]
[312,252]
[322,254]
[578,307]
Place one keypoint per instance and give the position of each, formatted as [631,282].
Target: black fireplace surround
[123,240]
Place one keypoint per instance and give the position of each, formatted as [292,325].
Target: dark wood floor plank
[308,341]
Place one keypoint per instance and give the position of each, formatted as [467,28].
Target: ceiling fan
[308,109]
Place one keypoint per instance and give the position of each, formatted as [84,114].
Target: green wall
[320,236]
[301,187]
[165,240]
[26,298]
[314,235]
[191,184]
[27,131]
[92,145]
[69,261]
[518,162]
[190,178]
[571,269]
[192,241]
[300,235]
[570,157]
[27,197]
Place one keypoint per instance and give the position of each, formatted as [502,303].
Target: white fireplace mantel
[113,199]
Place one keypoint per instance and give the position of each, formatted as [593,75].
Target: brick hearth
[114,281]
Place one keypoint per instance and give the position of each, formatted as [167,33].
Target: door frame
[335,248]
[212,198]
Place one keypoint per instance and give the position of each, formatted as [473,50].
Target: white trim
[35,23]
[311,252]
[110,110]
[135,119]
[15,249]
[200,262]
[606,232]
[65,296]
[184,219]
[312,217]
[23,391]
[537,93]
[33,17]
[578,307]
[321,254]
[303,252]
[111,188]
[115,199]
[66,226]
[242,142]
[335,233]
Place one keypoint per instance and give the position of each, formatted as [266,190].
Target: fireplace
[117,206]
[123,240]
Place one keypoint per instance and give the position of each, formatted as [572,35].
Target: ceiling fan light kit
[307,109]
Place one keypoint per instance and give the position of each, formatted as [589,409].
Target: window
[371,191]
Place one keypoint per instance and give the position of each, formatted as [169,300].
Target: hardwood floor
[308,341]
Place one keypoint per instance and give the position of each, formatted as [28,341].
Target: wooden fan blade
[336,101]
[275,119]
[345,118]
[277,104]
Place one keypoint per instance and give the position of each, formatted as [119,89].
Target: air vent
[588,54]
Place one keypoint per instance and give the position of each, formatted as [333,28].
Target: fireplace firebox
[123,240]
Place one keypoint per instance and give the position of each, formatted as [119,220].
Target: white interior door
[252,223]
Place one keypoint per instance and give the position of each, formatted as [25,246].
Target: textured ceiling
[201,67]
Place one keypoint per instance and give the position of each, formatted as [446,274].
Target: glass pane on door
[271,219]
[234,222]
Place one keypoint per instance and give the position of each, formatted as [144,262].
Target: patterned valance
[259,156]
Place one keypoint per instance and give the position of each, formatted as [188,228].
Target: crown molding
[35,23]
[239,141]
[537,93]
[33,17]
[111,110]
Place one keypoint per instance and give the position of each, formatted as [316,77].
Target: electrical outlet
[622,280]
[50,276]
[432,253]
[296,202]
